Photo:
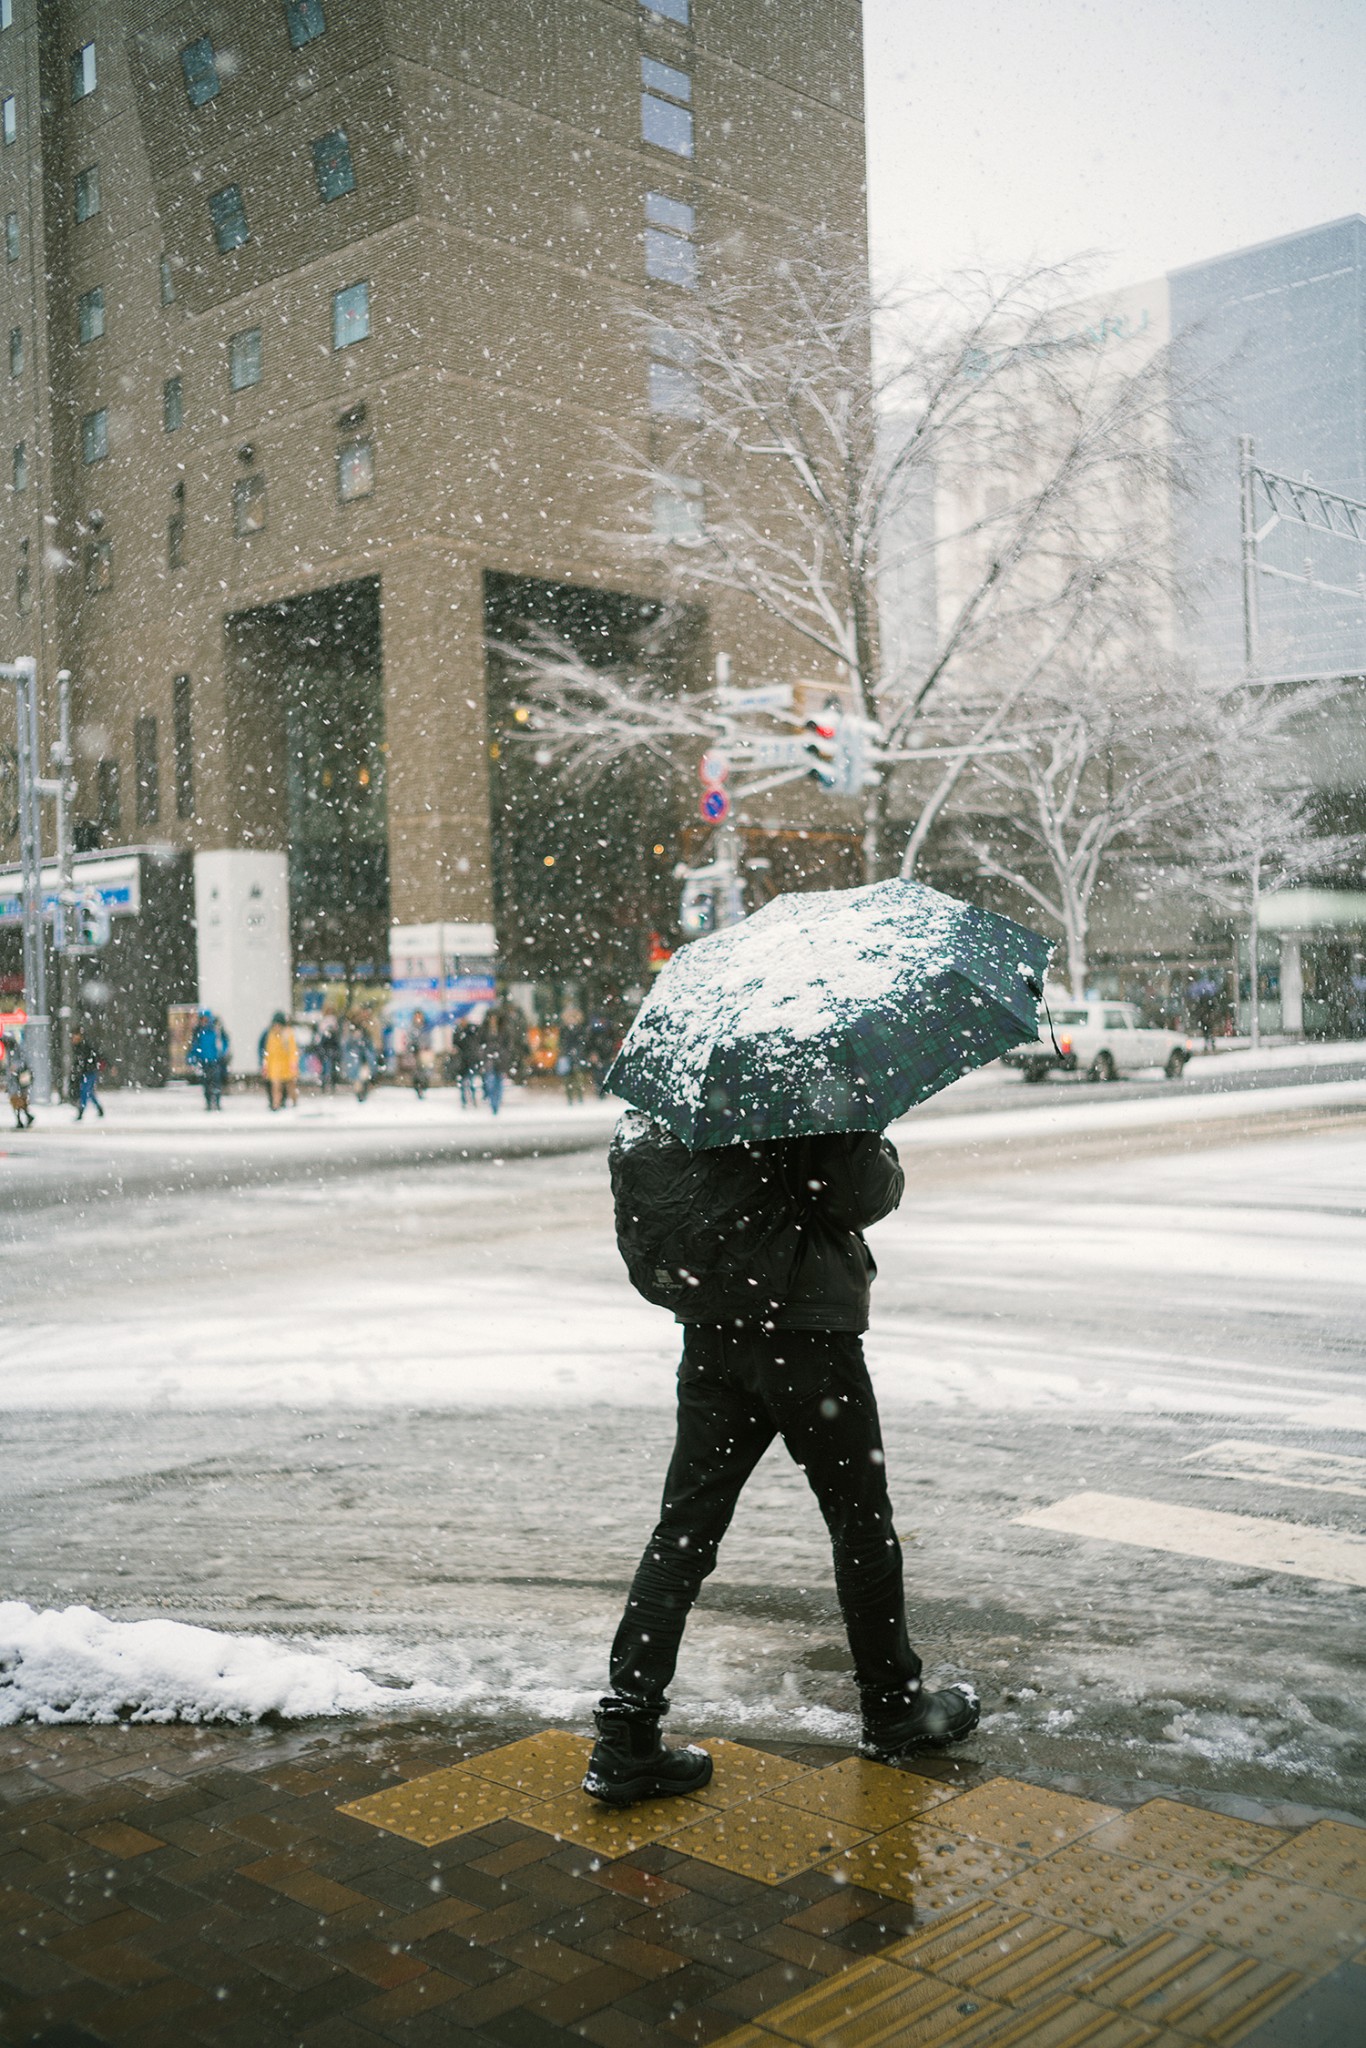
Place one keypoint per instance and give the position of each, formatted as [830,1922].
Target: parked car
[1102,1041]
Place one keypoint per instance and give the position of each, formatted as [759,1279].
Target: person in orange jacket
[280,1062]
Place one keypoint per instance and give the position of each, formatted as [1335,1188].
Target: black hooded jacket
[821,1193]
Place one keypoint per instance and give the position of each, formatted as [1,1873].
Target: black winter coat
[808,1199]
[837,1186]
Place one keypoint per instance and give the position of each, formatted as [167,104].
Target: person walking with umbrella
[762,1069]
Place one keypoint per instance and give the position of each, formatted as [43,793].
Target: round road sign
[714,765]
[714,806]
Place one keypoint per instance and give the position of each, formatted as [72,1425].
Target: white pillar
[241,912]
[1292,984]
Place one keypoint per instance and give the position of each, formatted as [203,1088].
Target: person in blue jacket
[208,1055]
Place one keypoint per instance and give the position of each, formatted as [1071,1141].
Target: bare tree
[1104,766]
[1258,827]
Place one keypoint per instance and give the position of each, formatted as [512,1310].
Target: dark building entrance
[307,700]
[583,868]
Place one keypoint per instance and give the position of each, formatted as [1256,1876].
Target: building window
[99,566]
[244,358]
[16,351]
[109,815]
[23,591]
[95,436]
[355,470]
[83,78]
[88,192]
[183,732]
[19,469]
[674,389]
[305,21]
[670,10]
[332,166]
[249,505]
[90,315]
[678,511]
[665,118]
[229,217]
[11,238]
[670,253]
[9,119]
[175,537]
[167,282]
[200,69]
[148,781]
[350,315]
[172,405]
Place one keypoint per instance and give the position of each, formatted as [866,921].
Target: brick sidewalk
[346,1886]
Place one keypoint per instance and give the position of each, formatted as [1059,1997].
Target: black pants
[738,1388]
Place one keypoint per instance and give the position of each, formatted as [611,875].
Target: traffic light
[823,745]
[842,753]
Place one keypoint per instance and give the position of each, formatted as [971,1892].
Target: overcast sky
[1158,132]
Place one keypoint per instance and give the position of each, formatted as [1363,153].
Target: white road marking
[1201,1532]
[1284,1465]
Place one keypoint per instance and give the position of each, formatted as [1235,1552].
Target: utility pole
[23,673]
[1248,521]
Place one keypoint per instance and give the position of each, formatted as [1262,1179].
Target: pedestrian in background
[419,1041]
[280,1062]
[357,1058]
[85,1073]
[495,1057]
[328,1049]
[467,1058]
[569,1063]
[18,1081]
[209,1053]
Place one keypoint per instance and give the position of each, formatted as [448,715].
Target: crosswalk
[1256,1540]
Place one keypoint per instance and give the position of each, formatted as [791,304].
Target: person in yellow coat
[280,1062]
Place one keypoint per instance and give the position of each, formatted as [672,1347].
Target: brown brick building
[314,315]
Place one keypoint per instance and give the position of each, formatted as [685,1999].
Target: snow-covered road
[418,1413]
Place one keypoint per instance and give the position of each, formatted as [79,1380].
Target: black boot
[903,1724]
[629,1761]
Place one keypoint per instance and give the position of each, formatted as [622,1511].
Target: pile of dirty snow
[78,1666]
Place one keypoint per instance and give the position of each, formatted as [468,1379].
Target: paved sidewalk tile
[354,1886]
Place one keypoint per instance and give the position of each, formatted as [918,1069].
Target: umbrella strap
[1051,1032]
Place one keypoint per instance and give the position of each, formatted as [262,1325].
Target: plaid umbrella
[829,1012]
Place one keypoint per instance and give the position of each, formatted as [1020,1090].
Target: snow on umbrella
[831,1011]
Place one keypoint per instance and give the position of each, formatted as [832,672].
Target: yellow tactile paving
[1186,1838]
[863,1795]
[1327,1854]
[1010,1956]
[1210,1993]
[1056,1922]
[739,1772]
[1107,1895]
[615,1831]
[873,2004]
[1285,1923]
[764,1839]
[441,1805]
[1026,1818]
[933,1869]
[1064,2022]
[541,1765]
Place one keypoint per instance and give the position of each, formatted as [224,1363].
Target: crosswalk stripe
[1283,1465]
[1205,1532]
